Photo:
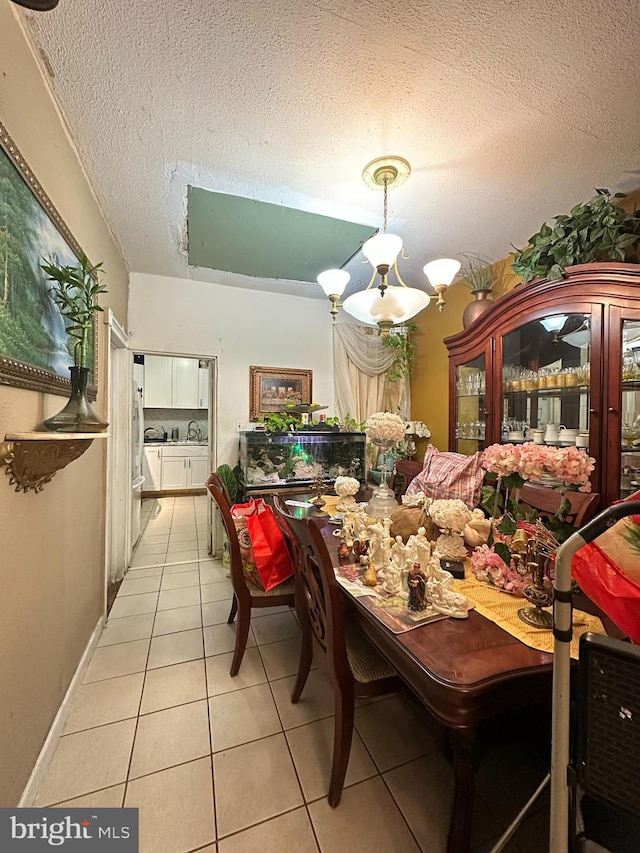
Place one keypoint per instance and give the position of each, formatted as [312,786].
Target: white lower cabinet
[152,468]
[197,472]
[174,472]
[184,467]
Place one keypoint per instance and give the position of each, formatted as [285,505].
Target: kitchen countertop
[184,443]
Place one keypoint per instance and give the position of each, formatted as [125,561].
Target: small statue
[417,587]
[435,571]
[399,554]
[446,601]
[376,538]
[358,548]
[343,551]
[392,579]
[370,576]
[422,548]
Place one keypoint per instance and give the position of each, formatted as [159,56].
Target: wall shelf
[32,459]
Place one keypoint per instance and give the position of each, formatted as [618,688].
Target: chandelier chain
[386,182]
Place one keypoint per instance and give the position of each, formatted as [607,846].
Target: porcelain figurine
[446,601]
[399,554]
[434,570]
[422,548]
[417,588]
[392,579]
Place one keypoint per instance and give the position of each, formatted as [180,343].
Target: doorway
[118,501]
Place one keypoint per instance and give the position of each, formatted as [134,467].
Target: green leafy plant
[75,292]
[281,421]
[233,481]
[347,423]
[597,230]
[404,352]
[479,273]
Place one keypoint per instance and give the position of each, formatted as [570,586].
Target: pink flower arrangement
[489,567]
[569,465]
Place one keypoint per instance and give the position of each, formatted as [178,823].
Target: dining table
[464,671]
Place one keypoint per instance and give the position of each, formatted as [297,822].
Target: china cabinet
[556,362]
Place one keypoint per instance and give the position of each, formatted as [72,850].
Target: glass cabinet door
[630,411]
[546,381]
[470,408]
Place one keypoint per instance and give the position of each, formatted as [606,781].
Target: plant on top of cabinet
[75,291]
[596,230]
[481,276]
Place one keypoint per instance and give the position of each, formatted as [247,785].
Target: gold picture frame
[271,388]
[34,352]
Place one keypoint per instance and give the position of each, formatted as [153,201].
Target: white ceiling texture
[509,112]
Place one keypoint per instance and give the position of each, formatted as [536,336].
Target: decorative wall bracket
[31,459]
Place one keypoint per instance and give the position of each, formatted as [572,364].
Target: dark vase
[474,309]
[77,415]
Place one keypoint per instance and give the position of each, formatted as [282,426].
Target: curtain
[359,362]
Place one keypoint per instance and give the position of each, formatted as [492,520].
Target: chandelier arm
[398,276]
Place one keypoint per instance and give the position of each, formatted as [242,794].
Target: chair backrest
[318,587]
[547,501]
[407,469]
[216,489]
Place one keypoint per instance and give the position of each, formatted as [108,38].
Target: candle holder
[318,502]
[540,591]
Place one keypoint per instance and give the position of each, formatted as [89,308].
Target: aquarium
[273,460]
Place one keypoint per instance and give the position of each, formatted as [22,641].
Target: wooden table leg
[464,771]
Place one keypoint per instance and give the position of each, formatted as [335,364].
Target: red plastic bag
[270,552]
[608,571]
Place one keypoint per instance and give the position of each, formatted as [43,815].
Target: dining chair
[547,501]
[355,667]
[244,596]
[403,473]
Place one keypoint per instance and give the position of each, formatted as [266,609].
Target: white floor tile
[215,612]
[177,619]
[220,639]
[102,702]
[134,605]
[169,737]
[126,629]
[218,678]
[178,580]
[175,648]
[176,808]
[242,716]
[112,661]
[185,597]
[173,685]
[87,761]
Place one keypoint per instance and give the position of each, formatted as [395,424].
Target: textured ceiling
[509,112]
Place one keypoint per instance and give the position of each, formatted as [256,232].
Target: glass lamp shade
[554,324]
[382,250]
[333,282]
[397,305]
[442,271]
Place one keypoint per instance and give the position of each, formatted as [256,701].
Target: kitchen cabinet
[152,468]
[203,387]
[157,381]
[556,352]
[184,467]
[197,472]
[173,383]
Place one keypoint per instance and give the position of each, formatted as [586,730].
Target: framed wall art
[35,350]
[271,388]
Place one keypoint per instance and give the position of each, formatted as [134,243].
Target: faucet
[194,433]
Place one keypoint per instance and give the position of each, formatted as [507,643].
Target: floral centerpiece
[451,518]
[346,488]
[501,562]
[385,427]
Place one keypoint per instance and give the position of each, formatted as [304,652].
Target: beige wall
[430,377]
[51,544]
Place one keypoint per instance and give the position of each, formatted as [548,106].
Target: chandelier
[386,304]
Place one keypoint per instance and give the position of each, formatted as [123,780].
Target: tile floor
[230,765]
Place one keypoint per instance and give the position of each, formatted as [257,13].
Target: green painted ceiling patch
[242,235]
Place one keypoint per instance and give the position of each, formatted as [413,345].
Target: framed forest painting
[35,350]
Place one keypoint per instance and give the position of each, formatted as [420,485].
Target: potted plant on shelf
[75,291]
[481,277]
[596,230]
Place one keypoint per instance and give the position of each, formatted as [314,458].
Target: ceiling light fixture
[386,305]
[38,5]
[555,323]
